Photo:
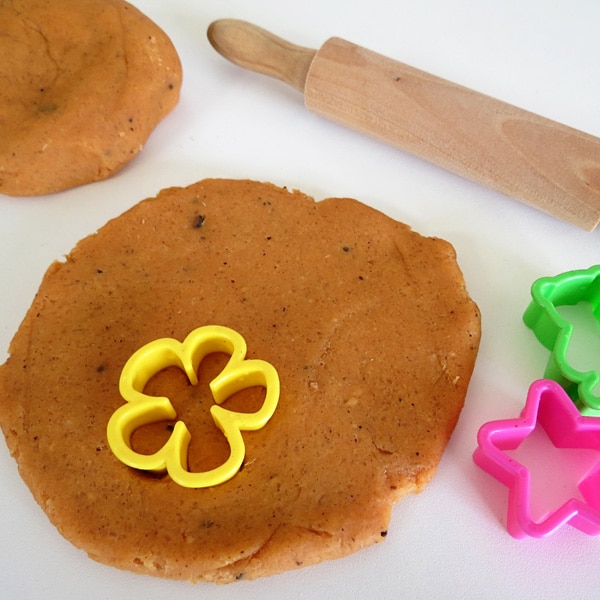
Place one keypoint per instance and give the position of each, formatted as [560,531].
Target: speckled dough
[82,85]
[368,323]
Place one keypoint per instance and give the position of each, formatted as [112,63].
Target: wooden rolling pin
[545,164]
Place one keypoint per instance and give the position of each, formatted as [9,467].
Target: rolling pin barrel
[543,163]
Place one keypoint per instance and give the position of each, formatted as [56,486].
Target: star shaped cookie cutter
[549,406]
[555,332]
[140,409]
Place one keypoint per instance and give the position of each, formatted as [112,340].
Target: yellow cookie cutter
[141,409]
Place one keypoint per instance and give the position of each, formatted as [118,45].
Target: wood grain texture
[550,166]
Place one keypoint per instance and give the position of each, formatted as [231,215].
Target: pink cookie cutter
[549,406]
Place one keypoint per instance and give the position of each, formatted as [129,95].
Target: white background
[451,540]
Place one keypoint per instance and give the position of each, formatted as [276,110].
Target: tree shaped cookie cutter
[549,406]
[555,332]
[140,409]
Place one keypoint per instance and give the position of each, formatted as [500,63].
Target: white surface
[450,541]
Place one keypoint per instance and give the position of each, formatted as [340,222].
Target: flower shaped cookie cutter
[555,332]
[141,409]
[549,405]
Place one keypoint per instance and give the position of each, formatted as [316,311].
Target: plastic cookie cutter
[141,409]
[549,406]
[555,332]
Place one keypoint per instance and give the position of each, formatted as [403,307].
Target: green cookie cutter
[555,332]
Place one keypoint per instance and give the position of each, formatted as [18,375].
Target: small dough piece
[82,85]
[368,324]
